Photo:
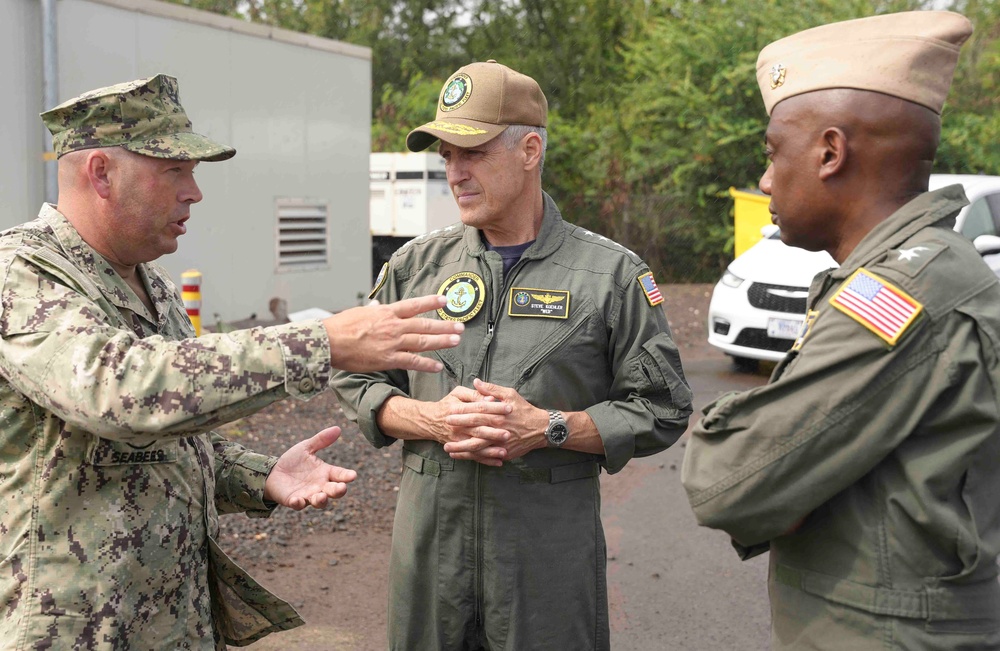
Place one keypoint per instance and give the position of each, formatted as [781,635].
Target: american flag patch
[874,303]
[650,289]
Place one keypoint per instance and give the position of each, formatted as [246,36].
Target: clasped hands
[490,424]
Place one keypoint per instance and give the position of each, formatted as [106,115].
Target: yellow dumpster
[751,214]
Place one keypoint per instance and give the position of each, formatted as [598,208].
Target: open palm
[302,479]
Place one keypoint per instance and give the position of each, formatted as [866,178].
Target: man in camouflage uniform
[112,482]
[567,365]
[870,464]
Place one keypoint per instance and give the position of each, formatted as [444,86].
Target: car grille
[761,298]
[757,338]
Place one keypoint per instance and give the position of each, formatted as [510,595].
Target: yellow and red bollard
[191,293]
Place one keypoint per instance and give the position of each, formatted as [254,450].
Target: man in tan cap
[566,366]
[112,482]
[869,464]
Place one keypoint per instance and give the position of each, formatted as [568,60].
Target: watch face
[558,433]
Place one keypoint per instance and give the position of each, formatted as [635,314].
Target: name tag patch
[541,303]
[119,453]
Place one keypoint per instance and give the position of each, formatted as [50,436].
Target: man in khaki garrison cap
[870,463]
[567,366]
[112,480]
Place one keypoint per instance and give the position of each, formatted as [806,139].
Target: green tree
[970,133]
[654,107]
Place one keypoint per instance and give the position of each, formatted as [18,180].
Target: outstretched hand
[301,479]
[381,337]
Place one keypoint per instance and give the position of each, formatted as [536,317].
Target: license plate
[784,328]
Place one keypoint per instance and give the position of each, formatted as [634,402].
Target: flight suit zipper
[494,316]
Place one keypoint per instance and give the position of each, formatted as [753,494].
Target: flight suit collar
[84,257]
[937,208]
[549,238]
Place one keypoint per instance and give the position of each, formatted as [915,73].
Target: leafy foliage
[654,108]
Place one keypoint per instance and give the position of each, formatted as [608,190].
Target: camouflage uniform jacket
[869,467]
[110,479]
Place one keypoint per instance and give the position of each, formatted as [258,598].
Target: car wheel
[746,365]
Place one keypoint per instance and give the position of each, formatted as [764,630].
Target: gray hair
[513,134]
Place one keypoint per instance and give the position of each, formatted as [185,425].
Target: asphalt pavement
[675,586]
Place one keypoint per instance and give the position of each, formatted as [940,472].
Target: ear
[98,167]
[833,153]
[531,147]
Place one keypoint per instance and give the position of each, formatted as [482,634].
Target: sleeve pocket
[659,368]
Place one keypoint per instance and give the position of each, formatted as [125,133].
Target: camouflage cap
[478,103]
[144,116]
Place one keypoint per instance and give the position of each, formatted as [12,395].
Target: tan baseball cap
[478,102]
[910,55]
[144,116]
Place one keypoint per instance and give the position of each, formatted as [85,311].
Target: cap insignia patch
[466,294]
[457,92]
[777,75]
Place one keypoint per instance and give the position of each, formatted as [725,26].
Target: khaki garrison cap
[143,116]
[910,55]
[478,102]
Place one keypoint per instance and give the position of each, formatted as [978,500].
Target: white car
[759,305]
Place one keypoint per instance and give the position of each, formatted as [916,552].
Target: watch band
[558,430]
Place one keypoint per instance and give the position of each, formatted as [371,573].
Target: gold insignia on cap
[466,294]
[456,129]
[777,75]
[456,93]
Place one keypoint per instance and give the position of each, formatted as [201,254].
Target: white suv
[758,306]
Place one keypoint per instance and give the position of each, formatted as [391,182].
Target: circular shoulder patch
[456,93]
[466,294]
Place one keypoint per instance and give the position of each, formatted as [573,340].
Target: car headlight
[729,279]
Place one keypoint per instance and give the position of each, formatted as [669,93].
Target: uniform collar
[937,208]
[550,236]
[112,285]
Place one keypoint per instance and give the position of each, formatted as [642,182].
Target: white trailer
[287,217]
[408,196]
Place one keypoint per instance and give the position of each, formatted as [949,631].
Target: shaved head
[842,160]
[892,137]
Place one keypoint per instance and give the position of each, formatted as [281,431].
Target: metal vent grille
[778,298]
[303,235]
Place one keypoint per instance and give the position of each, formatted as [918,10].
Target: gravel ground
[371,499]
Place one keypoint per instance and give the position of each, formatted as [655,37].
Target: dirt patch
[332,565]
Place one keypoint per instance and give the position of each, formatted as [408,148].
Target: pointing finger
[414,306]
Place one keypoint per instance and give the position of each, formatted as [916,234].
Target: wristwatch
[558,431]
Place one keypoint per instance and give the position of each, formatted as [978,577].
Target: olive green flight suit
[513,558]
[888,454]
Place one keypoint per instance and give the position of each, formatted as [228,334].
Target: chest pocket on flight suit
[561,335]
